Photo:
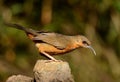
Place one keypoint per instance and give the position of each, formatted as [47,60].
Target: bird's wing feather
[58,40]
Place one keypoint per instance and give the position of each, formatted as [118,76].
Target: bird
[51,43]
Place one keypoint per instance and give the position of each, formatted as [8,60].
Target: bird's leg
[48,56]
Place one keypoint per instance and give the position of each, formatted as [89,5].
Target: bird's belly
[43,47]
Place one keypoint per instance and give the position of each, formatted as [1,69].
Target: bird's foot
[53,61]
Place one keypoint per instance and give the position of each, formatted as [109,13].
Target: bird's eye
[84,42]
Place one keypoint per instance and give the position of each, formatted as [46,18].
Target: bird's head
[82,41]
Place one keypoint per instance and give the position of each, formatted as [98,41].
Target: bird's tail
[27,30]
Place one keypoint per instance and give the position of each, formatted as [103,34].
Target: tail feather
[22,28]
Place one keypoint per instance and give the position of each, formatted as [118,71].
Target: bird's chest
[43,47]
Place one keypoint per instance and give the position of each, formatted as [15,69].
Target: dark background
[98,20]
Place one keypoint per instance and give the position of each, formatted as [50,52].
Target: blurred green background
[98,20]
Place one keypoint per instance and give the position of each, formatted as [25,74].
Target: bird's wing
[58,40]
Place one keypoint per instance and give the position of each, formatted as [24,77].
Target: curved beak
[91,48]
